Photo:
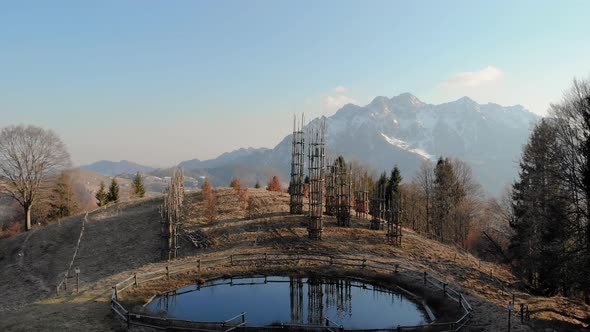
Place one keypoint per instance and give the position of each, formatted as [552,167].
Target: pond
[292,300]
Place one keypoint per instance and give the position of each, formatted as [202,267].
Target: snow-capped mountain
[404,130]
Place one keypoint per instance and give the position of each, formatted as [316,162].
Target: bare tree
[425,179]
[28,156]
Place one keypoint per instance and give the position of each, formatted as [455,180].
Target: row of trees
[443,201]
[550,201]
[104,197]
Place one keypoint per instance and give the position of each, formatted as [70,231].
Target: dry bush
[206,188]
[274,184]
[210,201]
[235,183]
[243,197]
[13,228]
[249,207]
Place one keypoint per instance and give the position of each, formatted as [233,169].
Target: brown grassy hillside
[123,239]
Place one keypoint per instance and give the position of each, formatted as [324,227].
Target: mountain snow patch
[405,146]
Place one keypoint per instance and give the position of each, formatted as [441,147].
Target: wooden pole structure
[343,196]
[330,188]
[316,157]
[394,228]
[297,185]
[172,215]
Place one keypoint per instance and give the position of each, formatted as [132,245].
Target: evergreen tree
[137,187]
[101,196]
[447,194]
[393,183]
[257,185]
[113,194]
[340,162]
[63,203]
[539,214]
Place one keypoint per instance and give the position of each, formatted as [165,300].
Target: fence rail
[276,258]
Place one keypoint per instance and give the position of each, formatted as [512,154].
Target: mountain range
[401,131]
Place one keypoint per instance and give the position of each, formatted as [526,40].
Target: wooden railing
[280,258]
[63,285]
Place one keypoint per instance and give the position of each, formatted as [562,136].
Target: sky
[158,82]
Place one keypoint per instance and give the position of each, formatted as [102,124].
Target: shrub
[274,184]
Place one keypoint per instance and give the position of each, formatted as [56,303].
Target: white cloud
[340,89]
[474,78]
[331,103]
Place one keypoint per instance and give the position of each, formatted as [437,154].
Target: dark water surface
[292,300]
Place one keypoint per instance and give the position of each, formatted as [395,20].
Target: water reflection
[309,300]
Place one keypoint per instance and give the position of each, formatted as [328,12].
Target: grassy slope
[124,238]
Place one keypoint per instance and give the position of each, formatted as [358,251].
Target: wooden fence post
[396,267]
[167,272]
[116,293]
[135,279]
[57,290]
[444,289]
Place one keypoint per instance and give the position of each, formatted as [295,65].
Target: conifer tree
[113,194]
[63,203]
[257,185]
[447,194]
[540,213]
[101,196]
[393,183]
[137,187]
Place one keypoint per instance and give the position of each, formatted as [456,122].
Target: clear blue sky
[158,82]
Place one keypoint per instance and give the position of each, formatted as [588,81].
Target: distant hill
[107,167]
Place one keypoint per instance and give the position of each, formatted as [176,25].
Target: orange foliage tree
[274,184]
[210,201]
[235,183]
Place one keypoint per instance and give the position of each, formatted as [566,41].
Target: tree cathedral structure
[172,215]
[297,185]
[316,157]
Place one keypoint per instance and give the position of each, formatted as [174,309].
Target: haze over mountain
[402,131]
[107,167]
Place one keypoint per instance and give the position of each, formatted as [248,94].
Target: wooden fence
[239,322]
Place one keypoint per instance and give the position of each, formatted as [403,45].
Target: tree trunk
[28,218]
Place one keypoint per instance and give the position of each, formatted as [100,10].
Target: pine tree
[341,163]
[447,194]
[101,196]
[257,185]
[393,183]
[113,194]
[63,203]
[539,214]
[137,187]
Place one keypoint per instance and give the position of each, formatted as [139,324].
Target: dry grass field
[123,239]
